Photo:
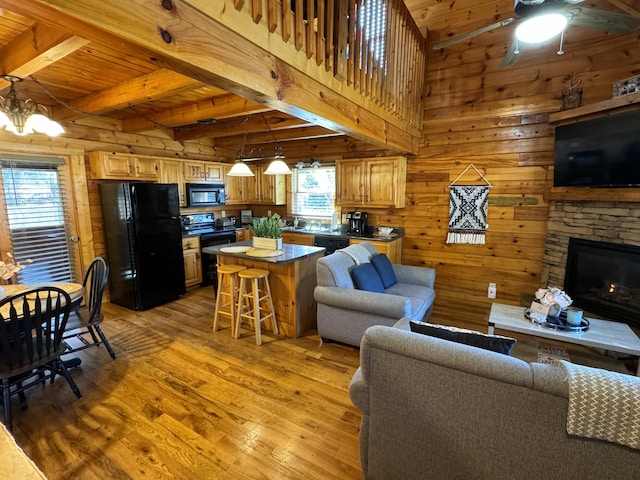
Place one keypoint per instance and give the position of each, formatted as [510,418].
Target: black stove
[212,232]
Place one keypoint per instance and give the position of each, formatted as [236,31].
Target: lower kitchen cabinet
[393,249]
[298,238]
[243,234]
[192,263]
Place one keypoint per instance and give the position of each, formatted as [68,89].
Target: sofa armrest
[415,275]
[359,392]
[378,304]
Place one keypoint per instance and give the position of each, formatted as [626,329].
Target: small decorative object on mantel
[572,95]
[468,211]
[626,86]
[267,232]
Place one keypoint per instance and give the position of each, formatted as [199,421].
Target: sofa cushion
[335,271]
[421,297]
[365,277]
[385,269]
[496,343]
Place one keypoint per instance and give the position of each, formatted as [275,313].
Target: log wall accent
[497,119]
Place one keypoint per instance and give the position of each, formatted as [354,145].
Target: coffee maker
[357,223]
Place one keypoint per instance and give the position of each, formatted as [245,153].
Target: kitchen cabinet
[171,172]
[393,249]
[259,189]
[298,238]
[374,182]
[123,166]
[244,234]
[192,263]
[203,172]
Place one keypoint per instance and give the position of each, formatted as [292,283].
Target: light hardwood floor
[181,402]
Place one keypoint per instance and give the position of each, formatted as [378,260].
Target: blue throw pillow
[366,278]
[384,268]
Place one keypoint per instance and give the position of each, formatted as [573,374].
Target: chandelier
[23,118]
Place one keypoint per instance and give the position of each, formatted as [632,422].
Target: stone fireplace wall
[614,222]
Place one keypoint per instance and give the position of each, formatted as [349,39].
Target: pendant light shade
[541,28]
[278,167]
[240,169]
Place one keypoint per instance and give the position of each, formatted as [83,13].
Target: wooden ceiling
[78,79]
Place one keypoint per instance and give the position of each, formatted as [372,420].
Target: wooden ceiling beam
[239,126]
[303,133]
[625,7]
[36,48]
[159,84]
[190,37]
[226,106]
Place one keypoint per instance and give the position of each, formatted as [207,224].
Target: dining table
[74,290]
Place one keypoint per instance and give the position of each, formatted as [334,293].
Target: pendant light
[23,118]
[239,168]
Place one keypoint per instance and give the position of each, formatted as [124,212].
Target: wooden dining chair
[84,322]
[32,325]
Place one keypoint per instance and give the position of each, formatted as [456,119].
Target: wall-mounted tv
[602,152]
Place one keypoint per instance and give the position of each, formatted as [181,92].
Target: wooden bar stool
[253,301]
[227,289]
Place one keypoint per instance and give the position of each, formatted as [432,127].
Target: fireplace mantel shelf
[605,107]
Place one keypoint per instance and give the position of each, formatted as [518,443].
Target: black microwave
[205,194]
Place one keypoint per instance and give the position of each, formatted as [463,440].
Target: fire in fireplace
[604,279]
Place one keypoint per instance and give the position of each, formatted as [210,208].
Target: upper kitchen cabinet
[198,172]
[259,189]
[375,182]
[123,166]
[171,171]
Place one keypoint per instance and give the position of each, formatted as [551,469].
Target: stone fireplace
[615,223]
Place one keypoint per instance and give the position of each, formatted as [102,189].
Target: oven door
[209,265]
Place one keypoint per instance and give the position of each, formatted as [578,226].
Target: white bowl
[385,230]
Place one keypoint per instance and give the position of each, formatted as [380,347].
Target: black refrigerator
[144,243]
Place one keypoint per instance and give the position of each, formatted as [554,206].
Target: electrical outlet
[268,213]
[223,214]
[491,291]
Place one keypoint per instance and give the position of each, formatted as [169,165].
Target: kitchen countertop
[290,253]
[342,233]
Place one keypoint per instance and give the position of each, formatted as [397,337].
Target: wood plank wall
[476,112]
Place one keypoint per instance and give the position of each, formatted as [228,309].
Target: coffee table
[603,334]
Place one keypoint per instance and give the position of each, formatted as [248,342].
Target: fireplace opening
[604,279]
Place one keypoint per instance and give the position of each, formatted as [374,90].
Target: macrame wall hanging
[468,210]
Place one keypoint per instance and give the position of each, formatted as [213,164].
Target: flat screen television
[602,152]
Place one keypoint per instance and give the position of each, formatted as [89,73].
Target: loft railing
[372,46]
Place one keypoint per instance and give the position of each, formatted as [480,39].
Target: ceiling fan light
[278,167]
[240,169]
[541,28]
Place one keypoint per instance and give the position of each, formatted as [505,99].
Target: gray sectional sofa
[436,409]
[344,312]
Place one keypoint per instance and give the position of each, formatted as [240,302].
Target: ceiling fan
[528,11]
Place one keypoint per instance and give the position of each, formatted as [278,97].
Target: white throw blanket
[603,405]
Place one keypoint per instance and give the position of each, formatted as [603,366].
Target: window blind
[313,192]
[37,211]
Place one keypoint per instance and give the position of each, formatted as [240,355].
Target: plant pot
[267,243]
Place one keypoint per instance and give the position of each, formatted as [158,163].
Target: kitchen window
[313,192]
[37,215]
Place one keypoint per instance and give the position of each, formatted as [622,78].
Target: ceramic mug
[574,317]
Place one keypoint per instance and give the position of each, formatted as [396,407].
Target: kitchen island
[292,278]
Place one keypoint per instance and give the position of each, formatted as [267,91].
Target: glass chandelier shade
[24,118]
[541,28]
[240,169]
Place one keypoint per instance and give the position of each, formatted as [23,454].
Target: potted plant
[267,232]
